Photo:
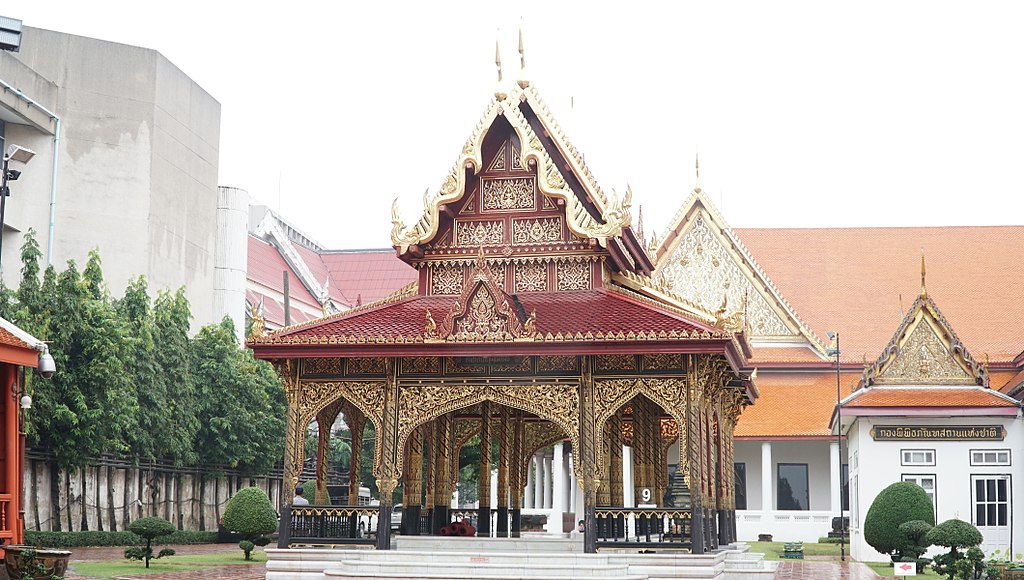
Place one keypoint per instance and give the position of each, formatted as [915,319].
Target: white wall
[878,464]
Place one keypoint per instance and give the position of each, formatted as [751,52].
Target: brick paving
[211,572]
[811,570]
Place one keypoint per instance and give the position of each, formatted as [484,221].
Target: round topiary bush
[955,534]
[250,513]
[901,502]
[963,558]
[312,493]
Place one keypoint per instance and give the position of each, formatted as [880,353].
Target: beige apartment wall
[137,169]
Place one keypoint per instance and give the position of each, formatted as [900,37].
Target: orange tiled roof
[8,339]
[851,280]
[1006,382]
[930,397]
[793,404]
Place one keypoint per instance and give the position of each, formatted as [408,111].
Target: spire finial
[924,290]
[696,186]
[640,226]
[523,82]
[498,90]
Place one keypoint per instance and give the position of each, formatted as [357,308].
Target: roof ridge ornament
[696,183]
[499,91]
[522,81]
[924,289]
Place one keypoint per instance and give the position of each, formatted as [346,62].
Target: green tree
[171,317]
[961,538]
[900,502]
[250,513]
[242,405]
[148,379]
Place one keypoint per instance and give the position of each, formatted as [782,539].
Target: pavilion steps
[479,568]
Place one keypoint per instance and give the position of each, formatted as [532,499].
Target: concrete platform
[527,558]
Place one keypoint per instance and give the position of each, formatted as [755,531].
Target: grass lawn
[773,550]
[115,568]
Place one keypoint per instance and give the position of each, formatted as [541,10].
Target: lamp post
[833,350]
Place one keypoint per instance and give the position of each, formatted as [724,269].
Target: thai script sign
[936,433]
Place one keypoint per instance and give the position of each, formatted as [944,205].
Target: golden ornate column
[694,441]
[431,470]
[441,447]
[386,455]
[412,490]
[590,449]
[356,427]
[483,526]
[615,460]
[295,430]
[517,473]
[504,457]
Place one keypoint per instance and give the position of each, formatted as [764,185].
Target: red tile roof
[366,276]
[8,339]
[265,269]
[793,404]
[929,397]
[850,280]
[581,311]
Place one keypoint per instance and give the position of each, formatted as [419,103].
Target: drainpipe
[53,169]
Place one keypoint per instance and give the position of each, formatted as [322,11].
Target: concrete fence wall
[111,493]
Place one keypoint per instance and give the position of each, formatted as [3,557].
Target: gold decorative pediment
[925,351]
[484,312]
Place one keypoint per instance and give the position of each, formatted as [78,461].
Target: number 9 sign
[646,496]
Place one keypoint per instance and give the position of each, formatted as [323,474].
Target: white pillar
[558,487]
[530,477]
[627,476]
[494,489]
[549,477]
[767,483]
[538,486]
[833,455]
[573,484]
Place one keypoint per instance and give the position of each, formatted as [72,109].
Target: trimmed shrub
[125,538]
[250,513]
[247,547]
[915,544]
[899,503]
[148,529]
[963,558]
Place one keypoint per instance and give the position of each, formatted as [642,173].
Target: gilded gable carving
[573,275]
[923,358]
[616,362]
[479,233]
[531,277]
[421,365]
[537,231]
[446,279]
[508,193]
[702,270]
[366,366]
[482,320]
[557,363]
[664,361]
[516,162]
[498,163]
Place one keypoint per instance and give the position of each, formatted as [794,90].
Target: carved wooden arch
[613,394]
[539,436]
[366,396]
[558,403]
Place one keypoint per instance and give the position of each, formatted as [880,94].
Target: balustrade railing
[7,518]
[644,527]
[327,525]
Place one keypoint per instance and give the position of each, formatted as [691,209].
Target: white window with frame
[917,457]
[999,457]
[991,495]
[927,483]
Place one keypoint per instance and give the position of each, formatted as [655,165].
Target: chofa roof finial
[523,81]
[696,185]
[924,290]
[499,91]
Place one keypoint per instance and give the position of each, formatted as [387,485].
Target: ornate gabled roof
[703,261]
[925,351]
[590,213]
[483,312]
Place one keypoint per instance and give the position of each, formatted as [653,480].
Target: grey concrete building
[126,161]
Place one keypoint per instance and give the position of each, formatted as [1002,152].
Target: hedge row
[78,539]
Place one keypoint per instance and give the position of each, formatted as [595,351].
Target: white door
[991,498]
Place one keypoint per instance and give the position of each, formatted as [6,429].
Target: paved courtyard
[788,569]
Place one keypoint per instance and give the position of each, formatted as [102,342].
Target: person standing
[299,499]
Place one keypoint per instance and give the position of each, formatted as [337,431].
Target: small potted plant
[31,563]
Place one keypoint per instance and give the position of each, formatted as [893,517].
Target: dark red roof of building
[365,276]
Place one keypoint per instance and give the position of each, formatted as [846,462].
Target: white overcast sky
[805,114]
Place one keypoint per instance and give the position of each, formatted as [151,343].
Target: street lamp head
[19,153]
[26,401]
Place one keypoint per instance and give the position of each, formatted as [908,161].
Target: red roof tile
[366,276]
[793,404]
[582,311]
[6,338]
[850,280]
[930,397]
[265,267]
